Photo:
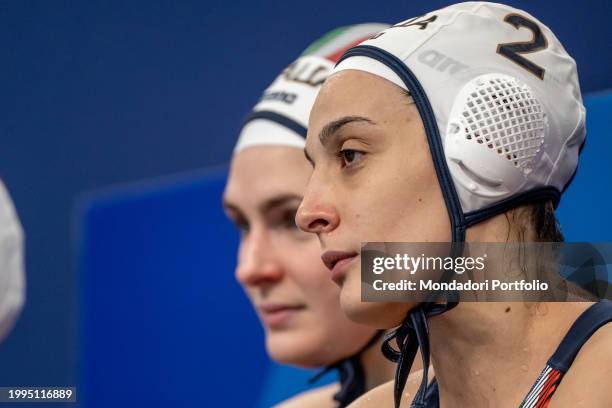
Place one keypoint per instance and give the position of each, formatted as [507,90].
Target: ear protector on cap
[495,134]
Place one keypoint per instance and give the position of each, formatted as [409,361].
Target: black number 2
[537,43]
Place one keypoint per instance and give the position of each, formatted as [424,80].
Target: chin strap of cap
[412,334]
[351,375]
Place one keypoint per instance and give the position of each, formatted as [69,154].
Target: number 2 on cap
[512,51]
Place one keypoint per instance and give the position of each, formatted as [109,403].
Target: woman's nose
[257,262]
[316,216]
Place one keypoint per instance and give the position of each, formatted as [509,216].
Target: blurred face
[280,267]
[373,180]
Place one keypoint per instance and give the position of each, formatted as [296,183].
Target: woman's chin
[295,348]
[379,315]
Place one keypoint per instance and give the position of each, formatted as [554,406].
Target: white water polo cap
[12,275]
[281,115]
[499,99]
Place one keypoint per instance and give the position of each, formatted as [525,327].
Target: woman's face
[373,180]
[280,267]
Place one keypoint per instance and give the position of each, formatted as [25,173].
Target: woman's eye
[289,220]
[241,225]
[350,157]
[243,229]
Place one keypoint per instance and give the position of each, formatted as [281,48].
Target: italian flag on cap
[333,44]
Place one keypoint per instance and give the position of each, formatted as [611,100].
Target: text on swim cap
[307,71]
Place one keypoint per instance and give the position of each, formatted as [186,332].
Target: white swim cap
[281,115]
[499,98]
[12,276]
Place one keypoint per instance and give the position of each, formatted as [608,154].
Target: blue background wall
[98,93]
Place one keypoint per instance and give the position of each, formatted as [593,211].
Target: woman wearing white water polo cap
[12,276]
[279,265]
[462,125]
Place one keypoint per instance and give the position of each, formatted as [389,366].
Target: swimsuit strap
[583,328]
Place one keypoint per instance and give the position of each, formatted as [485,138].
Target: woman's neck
[377,368]
[489,354]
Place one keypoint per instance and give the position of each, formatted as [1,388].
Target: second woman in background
[278,265]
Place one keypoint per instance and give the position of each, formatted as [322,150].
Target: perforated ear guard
[496,130]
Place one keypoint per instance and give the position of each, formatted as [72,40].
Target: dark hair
[535,223]
[545,224]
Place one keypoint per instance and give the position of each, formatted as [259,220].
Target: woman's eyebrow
[227,204]
[279,201]
[266,206]
[230,207]
[330,130]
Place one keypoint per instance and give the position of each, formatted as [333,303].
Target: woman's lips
[276,316]
[338,262]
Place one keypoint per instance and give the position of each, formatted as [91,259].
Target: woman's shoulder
[318,397]
[382,396]
[587,381]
